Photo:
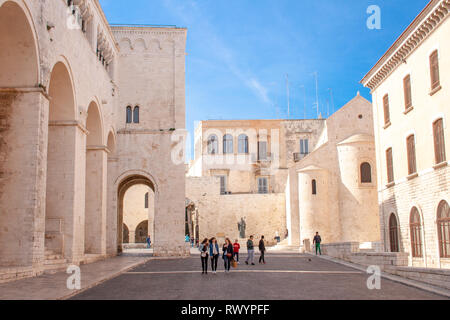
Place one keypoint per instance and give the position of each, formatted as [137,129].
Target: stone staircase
[54,262]
[284,246]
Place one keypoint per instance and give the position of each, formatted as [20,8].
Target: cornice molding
[426,22]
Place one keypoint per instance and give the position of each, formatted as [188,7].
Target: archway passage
[61,167]
[141,232]
[20,109]
[131,205]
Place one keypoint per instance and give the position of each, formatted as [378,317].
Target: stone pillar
[65,189]
[95,213]
[111,214]
[23,148]
[132,236]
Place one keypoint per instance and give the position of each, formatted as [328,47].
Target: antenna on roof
[304,101]
[317,92]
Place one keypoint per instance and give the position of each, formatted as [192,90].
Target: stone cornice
[69,123]
[423,25]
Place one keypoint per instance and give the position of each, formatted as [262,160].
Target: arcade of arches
[66,159]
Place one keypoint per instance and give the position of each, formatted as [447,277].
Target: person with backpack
[227,254]
[250,251]
[236,247]
[214,254]
[204,248]
[317,241]
[262,250]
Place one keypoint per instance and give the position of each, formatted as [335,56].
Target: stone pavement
[54,286]
[284,277]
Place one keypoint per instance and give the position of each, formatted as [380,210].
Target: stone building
[410,87]
[332,190]
[263,170]
[86,111]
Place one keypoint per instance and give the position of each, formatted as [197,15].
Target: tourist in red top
[236,247]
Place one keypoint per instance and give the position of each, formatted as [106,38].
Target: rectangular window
[390,165]
[262,150]
[304,146]
[411,150]
[439,142]
[387,115]
[263,185]
[434,70]
[223,184]
[407,91]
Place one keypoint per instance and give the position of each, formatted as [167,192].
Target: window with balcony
[262,150]
[227,143]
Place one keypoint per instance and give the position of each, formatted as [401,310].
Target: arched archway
[20,109]
[141,233]
[61,167]
[96,170]
[123,187]
[19,56]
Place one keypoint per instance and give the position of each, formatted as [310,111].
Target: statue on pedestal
[241,227]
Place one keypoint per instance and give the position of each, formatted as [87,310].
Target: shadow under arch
[123,186]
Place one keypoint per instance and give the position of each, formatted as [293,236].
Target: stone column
[23,148]
[95,213]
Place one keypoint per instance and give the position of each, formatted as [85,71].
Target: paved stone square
[284,277]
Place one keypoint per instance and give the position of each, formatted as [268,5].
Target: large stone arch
[22,136]
[19,57]
[63,132]
[96,177]
[123,183]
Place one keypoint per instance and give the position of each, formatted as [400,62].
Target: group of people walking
[209,250]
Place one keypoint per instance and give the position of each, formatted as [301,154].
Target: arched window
[213,144]
[146,200]
[416,233]
[443,224]
[393,233]
[129,115]
[227,143]
[366,173]
[314,187]
[136,114]
[243,144]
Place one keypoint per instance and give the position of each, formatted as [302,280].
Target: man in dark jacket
[262,249]
[317,240]
[250,251]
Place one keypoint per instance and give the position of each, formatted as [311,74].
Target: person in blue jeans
[204,253]
[227,254]
[214,254]
[149,242]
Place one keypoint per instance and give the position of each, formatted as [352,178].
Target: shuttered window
[411,152]
[262,150]
[407,91]
[434,70]
[263,185]
[314,187]
[390,165]
[443,224]
[387,115]
[393,233]
[439,142]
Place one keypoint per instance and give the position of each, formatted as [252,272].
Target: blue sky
[239,51]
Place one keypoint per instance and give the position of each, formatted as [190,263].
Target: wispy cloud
[190,13]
